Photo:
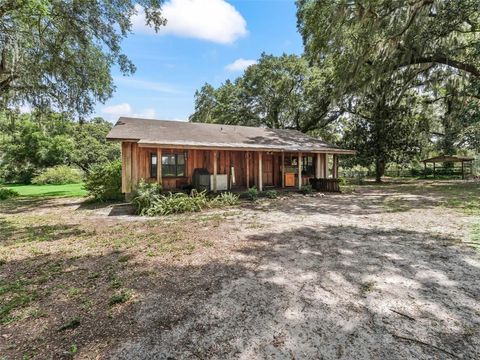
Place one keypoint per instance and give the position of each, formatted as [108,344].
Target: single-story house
[179,154]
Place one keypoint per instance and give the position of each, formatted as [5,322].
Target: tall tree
[383,46]
[58,54]
[277,92]
[385,36]
[384,126]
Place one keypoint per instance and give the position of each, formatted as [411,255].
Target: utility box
[222,182]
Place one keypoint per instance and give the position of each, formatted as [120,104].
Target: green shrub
[252,193]
[119,298]
[151,203]
[271,194]
[14,173]
[225,199]
[306,189]
[59,175]
[6,193]
[145,195]
[104,181]
[173,203]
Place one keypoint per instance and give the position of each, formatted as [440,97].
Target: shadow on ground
[323,291]
[335,292]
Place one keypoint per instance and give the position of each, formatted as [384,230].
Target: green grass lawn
[67,190]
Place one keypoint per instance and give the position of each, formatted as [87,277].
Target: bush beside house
[104,181]
[149,201]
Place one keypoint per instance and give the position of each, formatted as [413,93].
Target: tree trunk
[379,170]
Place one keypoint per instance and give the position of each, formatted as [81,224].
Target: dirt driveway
[382,274]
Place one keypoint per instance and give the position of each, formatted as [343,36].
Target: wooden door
[267,167]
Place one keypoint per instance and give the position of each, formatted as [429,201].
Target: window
[173,165]
[153,165]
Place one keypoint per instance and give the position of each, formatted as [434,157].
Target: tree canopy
[378,37]
[398,66]
[32,142]
[277,92]
[58,54]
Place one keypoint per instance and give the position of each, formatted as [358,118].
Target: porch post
[260,172]
[126,167]
[325,166]
[135,159]
[317,167]
[247,158]
[299,170]
[283,169]
[215,171]
[159,166]
[335,166]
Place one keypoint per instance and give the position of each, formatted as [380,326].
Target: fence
[406,173]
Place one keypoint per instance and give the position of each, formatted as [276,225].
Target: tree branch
[441,59]
[418,6]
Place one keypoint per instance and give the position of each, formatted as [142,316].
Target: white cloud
[240,65]
[113,112]
[212,20]
[146,85]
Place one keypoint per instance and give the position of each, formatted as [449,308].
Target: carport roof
[448,158]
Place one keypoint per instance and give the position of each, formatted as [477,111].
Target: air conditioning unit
[222,182]
[201,179]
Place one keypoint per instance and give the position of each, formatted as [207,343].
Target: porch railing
[327,185]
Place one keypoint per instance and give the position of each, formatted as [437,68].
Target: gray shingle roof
[201,135]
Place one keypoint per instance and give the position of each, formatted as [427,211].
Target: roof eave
[144,143]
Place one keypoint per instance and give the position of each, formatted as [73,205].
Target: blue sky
[204,41]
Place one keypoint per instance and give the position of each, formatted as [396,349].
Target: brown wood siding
[267,167]
[136,166]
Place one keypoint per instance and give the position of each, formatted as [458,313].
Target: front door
[267,167]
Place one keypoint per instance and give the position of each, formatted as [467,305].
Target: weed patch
[119,298]
[13,296]
[70,324]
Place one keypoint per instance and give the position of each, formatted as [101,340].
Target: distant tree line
[32,142]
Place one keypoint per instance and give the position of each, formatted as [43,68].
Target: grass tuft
[119,298]
[70,324]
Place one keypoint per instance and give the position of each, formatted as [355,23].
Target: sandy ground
[325,277]
[332,277]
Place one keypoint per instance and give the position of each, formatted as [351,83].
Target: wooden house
[177,154]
